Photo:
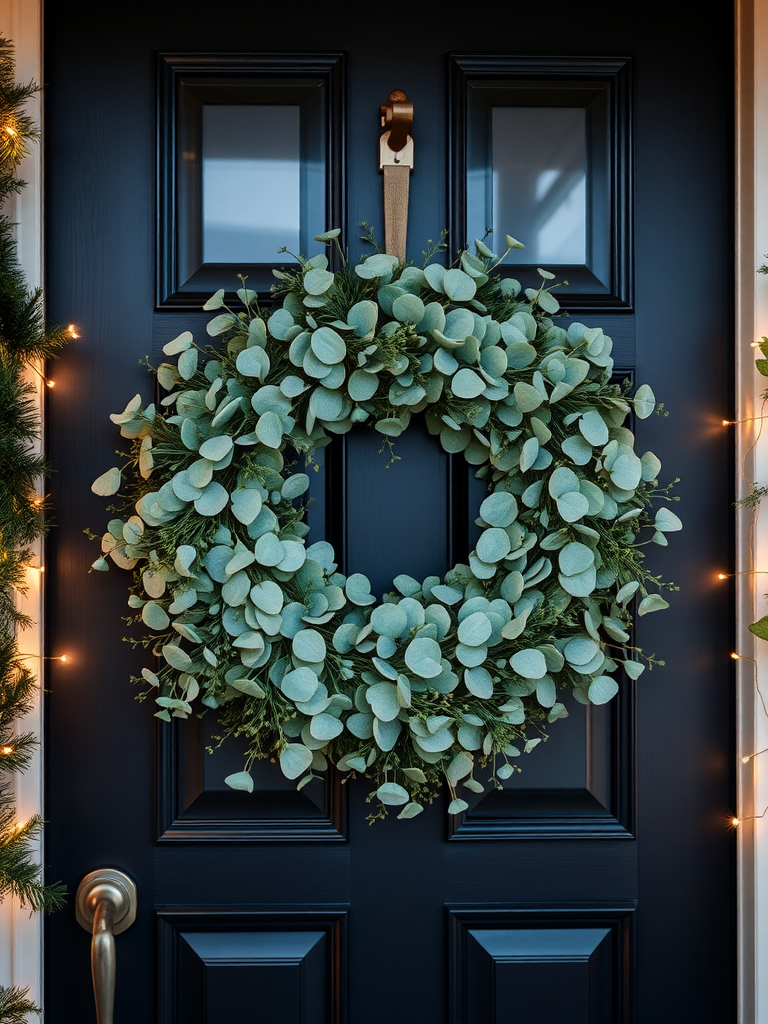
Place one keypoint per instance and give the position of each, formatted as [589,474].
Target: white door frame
[751,554]
[21,958]
[21,933]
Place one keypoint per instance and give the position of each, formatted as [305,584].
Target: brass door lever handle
[105,905]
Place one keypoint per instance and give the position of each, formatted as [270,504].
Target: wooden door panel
[195,805]
[217,970]
[587,791]
[547,968]
[395,507]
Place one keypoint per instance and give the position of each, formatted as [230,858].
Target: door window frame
[186,82]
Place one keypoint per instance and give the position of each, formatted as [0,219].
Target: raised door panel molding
[584,790]
[195,805]
[546,964]
[219,967]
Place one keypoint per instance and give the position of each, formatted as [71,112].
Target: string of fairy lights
[737,820]
[8,750]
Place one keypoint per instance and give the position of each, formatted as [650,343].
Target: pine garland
[24,339]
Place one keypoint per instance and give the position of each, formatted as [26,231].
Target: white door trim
[21,958]
[751,466]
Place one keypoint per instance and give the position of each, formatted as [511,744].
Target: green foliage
[15,1007]
[752,500]
[760,628]
[23,338]
[445,676]
[757,492]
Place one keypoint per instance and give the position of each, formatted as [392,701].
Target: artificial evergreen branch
[24,340]
[14,1005]
[17,685]
[23,333]
[19,874]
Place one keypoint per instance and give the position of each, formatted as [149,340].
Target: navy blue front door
[598,887]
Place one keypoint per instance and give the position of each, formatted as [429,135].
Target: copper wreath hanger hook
[396,164]
[397,117]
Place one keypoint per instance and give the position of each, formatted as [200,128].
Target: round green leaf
[467,384]
[300,684]
[392,794]
[295,758]
[107,483]
[358,589]
[499,509]
[216,448]
[479,682]
[475,629]
[575,558]
[268,596]
[667,521]
[423,656]
[328,345]
[644,401]
[389,620]
[308,645]
[240,780]
[530,664]
[212,500]
[493,545]
[458,286]
[325,727]
[269,429]
[572,506]
[593,428]
[602,689]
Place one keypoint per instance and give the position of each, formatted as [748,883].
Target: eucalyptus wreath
[444,679]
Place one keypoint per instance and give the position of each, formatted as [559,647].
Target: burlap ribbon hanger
[396,164]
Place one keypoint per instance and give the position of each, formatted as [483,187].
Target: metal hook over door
[396,164]
[105,905]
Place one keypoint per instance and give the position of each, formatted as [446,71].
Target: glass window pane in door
[539,183]
[251,182]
